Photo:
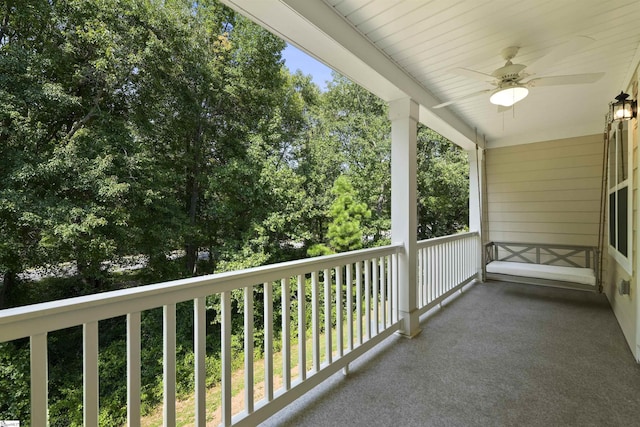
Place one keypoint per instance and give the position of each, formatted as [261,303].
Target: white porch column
[476,199]
[403,114]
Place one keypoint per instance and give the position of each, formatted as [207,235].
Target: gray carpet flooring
[501,354]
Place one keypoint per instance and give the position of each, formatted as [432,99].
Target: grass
[185,407]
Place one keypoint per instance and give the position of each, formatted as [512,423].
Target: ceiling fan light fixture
[507,96]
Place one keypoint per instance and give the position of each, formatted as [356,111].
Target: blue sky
[295,59]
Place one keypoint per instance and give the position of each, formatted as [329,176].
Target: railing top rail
[21,322]
[439,240]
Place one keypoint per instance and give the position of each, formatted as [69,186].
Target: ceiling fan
[509,81]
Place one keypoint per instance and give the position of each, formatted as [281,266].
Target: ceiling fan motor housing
[509,73]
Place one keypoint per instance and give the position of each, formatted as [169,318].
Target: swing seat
[563,266]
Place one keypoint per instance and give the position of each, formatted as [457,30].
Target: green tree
[67,151]
[358,121]
[443,186]
[317,159]
[346,213]
[217,93]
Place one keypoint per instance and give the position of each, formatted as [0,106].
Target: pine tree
[346,213]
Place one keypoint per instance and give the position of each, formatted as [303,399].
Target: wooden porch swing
[562,266]
[556,265]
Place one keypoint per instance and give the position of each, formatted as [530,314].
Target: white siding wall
[627,307]
[546,192]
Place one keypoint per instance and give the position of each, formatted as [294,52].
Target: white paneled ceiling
[424,40]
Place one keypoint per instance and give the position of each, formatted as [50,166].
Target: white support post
[403,114]
[476,201]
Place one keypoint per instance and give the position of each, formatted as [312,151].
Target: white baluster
[286,334]
[169,364]
[376,295]
[367,297]
[39,380]
[225,344]
[339,315]
[349,307]
[315,320]
[134,383]
[248,349]
[302,330]
[359,302]
[90,381]
[383,292]
[268,341]
[200,368]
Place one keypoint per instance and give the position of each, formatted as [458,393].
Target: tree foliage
[443,186]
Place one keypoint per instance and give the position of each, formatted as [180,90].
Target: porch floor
[501,354]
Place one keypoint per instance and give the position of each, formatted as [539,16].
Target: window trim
[618,131]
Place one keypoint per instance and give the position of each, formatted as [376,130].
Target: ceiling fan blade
[571,47]
[571,79]
[476,75]
[460,98]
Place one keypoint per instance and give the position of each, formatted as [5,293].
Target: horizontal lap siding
[546,192]
[558,163]
[545,196]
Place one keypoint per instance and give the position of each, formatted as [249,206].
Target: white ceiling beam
[318,30]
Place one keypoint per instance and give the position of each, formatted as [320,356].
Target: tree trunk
[9,281]
[193,194]
[191,258]
[91,276]
[212,259]
[191,246]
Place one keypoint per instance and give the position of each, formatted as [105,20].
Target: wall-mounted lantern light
[622,108]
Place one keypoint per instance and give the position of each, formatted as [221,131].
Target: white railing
[445,265]
[360,288]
